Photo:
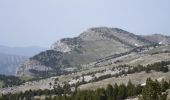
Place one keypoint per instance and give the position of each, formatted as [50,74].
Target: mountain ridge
[92,44]
[159,38]
[9,63]
[23,51]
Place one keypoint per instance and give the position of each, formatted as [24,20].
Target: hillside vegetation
[92,44]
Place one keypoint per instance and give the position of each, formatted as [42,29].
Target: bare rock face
[60,46]
[66,44]
[30,65]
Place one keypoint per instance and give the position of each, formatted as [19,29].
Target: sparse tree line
[47,74]
[136,49]
[159,67]
[166,51]
[9,81]
[153,90]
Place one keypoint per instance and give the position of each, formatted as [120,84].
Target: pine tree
[138,89]
[164,85]
[130,89]
[109,92]
[101,95]
[122,94]
[152,91]
[115,92]
[169,85]
[1,98]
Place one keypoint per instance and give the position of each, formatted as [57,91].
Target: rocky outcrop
[43,62]
[24,69]
[60,46]
[66,44]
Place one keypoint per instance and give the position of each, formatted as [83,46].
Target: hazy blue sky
[42,22]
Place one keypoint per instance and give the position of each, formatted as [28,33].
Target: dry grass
[137,78]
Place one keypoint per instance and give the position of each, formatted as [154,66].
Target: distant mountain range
[9,63]
[22,51]
[92,44]
[11,57]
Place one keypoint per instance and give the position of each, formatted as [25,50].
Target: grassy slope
[148,59]
[145,58]
[161,48]
[26,78]
[93,50]
[137,78]
[136,59]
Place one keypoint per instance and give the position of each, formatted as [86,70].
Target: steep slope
[92,44]
[158,38]
[9,63]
